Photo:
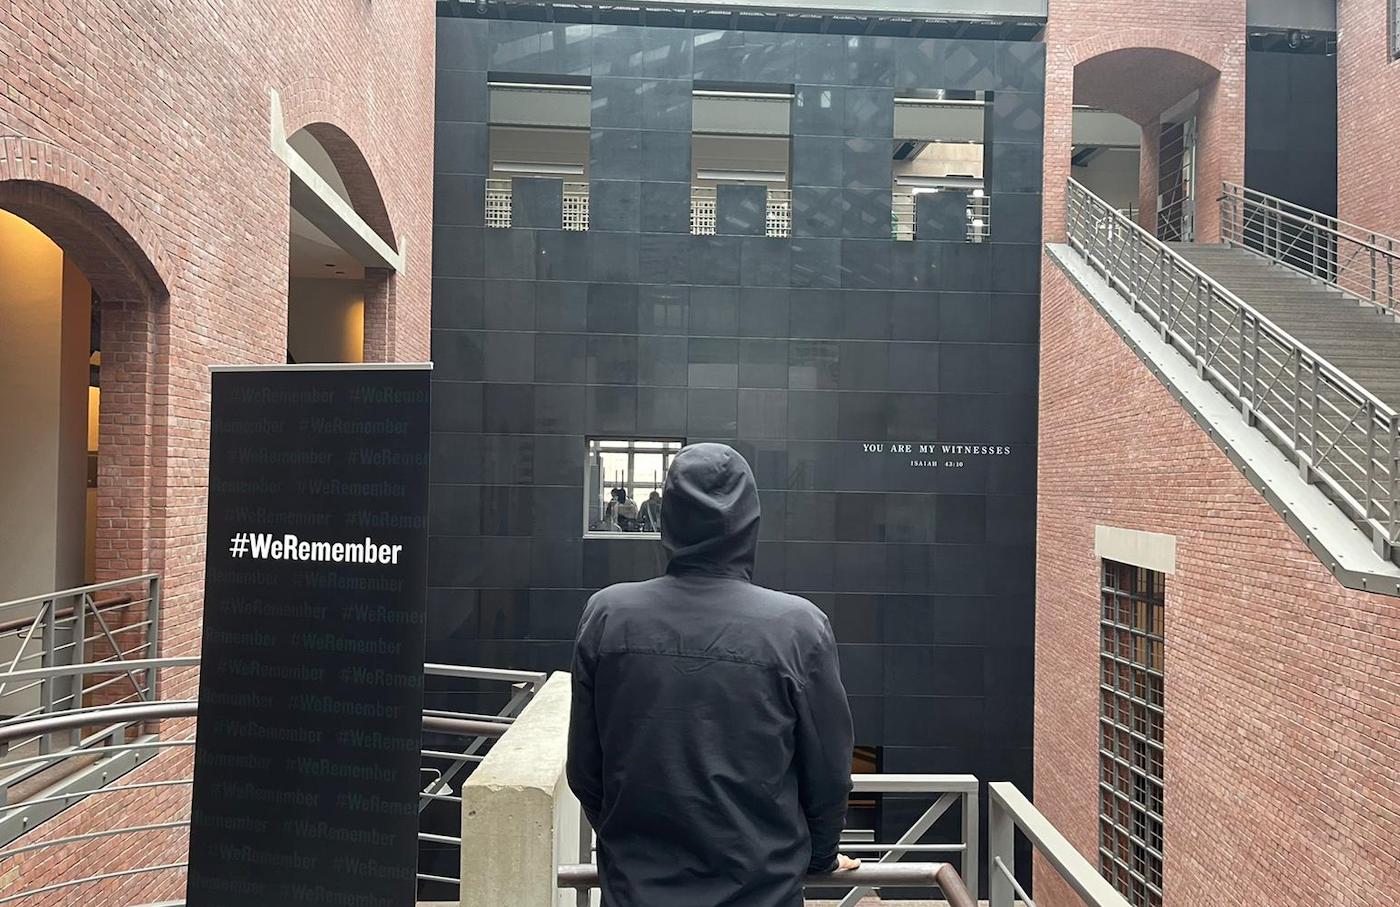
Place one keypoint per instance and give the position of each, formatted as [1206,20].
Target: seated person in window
[621,515]
[651,513]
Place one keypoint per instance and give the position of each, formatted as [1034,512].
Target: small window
[539,131]
[939,150]
[742,139]
[623,481]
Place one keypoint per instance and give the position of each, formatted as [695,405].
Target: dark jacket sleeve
[824,744]
[585,763]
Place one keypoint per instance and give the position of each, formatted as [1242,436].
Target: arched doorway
[50,405]
[81,308]
[337,296]
[1168,98]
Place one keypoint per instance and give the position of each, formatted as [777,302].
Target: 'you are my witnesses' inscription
[936,454]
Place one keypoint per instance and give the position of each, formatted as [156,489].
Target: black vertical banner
[306,769]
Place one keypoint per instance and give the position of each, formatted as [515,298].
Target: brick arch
[331,118]
[1140,82]
[91,220]
[1172,40]
[102,230]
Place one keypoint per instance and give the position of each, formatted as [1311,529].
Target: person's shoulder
[794,612]
[619,596]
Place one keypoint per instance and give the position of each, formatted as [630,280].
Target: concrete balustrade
[520,821]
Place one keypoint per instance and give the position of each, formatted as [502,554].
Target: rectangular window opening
[539,132]
[623,482]
[741,149]
[939,166]
[1132,605]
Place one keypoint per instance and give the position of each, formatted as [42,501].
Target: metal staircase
[1292,324]
[1357,337]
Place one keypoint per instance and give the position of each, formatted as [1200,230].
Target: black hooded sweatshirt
[710,741]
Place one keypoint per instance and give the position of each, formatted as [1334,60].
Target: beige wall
[44,319]
[326,320]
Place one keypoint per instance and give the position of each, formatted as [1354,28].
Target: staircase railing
[1351,258]
[1341,437]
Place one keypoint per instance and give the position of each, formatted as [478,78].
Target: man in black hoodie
[710,741]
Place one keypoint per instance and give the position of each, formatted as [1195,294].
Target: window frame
[1131,789]
[671,446]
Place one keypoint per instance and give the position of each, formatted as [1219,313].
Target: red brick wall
[1368,118]
[1210,30]
[1282,707]
[141,134]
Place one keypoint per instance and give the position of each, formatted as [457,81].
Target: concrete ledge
[1323,527]
[519,818]
[1152,550]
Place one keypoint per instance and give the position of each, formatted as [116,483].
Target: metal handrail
[1352,258]
[584,877]
[77,590]
[1009,812]
[948,790]
[1342,437]
[16,729]
[112,719]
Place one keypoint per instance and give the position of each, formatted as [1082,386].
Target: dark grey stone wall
[798,351]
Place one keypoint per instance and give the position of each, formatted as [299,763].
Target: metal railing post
[1001,854]
[153,637]
[972,856]
[78,683]
[48,659]
[1374,286]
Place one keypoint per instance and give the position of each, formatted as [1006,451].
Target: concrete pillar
[520,821]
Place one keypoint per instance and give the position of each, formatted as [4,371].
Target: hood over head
[710,512]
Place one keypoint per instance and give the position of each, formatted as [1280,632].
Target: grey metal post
[47,659]
[153,638]
[1393,461]
[583,897]
[79,681]
[1374,287]
[1001,848]
[972,856]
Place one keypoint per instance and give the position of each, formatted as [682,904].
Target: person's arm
[585,763]
[825,741]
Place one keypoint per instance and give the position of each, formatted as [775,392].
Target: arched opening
[50,403]
[336,302]
[1139,119]
[81,309]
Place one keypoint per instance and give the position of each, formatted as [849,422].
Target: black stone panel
[537,202]
[813,355]
[941,215]
[741,210]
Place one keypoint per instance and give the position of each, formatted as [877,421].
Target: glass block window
[624,477]
[1132,625]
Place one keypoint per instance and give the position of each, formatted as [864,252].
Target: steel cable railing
[1342,437]
[1358,261]
[442,767]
